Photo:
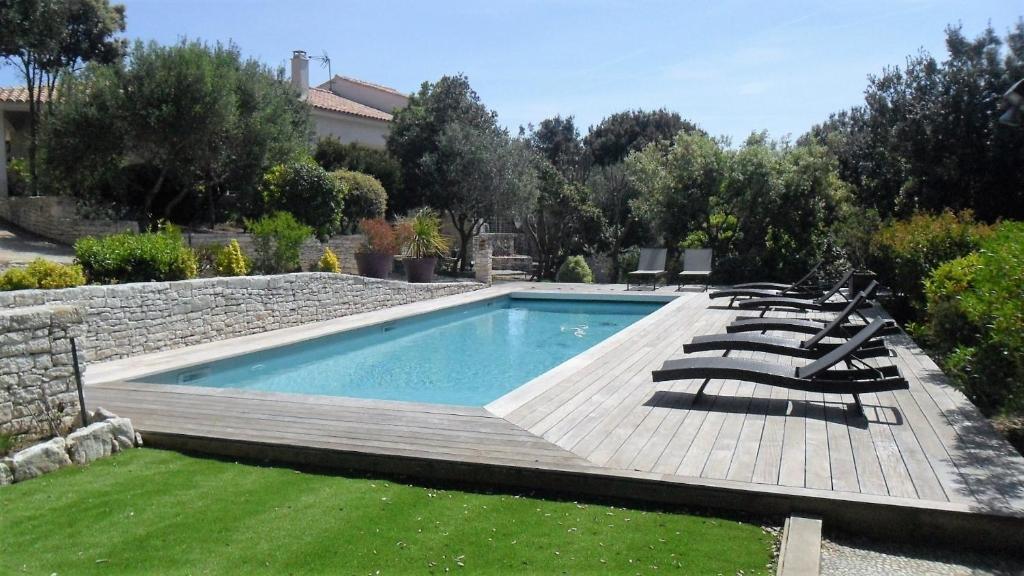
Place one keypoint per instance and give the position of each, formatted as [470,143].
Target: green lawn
[159,512]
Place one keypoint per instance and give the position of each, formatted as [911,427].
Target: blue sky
[730,66]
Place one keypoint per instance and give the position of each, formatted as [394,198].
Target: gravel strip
[849,556]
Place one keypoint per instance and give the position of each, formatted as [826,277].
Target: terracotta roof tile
[327,100]
[18,94]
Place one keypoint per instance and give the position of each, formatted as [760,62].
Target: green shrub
[976,320]
[276,240]
[364,198]
[18,177]
[575,269]
[308,192]
[17,279]
[230,261]
[328,262]
[905,252]
[129,257]
[333,155]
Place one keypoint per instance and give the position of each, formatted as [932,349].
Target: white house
[348,109]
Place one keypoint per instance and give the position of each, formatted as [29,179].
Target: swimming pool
[466,355]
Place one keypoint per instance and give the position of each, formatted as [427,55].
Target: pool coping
[134,369]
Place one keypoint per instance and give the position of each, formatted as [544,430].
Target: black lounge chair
[820,304]
[735,292]
[783,287]
[696,264]
[814,377]
[839,325]
[650,267]
[810,348]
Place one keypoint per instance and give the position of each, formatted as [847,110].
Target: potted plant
[376,256]
[422,242]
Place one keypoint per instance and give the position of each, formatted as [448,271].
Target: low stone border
[108,434]
[800,552]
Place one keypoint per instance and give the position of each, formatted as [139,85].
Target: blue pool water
[468,355]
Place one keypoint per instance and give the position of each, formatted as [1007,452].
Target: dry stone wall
[56,218]
[38,395]
[129,319]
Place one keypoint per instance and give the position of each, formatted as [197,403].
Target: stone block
[93,442]
[6,476]
[123,432]
[40,459]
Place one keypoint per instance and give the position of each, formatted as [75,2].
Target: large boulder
[91,443]
[40,459]
[6,476]
[123,432]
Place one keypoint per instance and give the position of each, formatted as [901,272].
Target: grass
[159,512]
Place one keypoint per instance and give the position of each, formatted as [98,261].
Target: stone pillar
[3,156]
[482,259]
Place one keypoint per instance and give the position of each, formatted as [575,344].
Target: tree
[46,39]
[928,136]
[174,122]
[478,172]
[558,141]
[614,194]
[619,134]
[416,134]
[563,222]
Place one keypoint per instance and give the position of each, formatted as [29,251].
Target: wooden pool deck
[922,459]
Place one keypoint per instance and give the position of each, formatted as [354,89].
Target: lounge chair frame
[696,263]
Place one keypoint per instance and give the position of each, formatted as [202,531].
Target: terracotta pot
[419,269]
[375,265]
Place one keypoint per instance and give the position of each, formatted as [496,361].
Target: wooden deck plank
[722,453]
[793,464]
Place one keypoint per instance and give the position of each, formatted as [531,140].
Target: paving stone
[845,556]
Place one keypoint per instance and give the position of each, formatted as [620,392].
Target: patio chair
[696,264]
[810,348]
[839,324]
[818,376]
[820,304]
[650,267]
[802,294]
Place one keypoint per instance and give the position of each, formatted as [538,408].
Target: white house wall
[372,133]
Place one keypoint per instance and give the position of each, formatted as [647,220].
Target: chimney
[300,72]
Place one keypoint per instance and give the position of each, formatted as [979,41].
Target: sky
[731,67]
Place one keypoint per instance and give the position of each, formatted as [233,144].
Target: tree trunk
[145,218]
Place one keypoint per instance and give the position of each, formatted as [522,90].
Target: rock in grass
[6,477]
[93,442]
[123,433]
[138,440]
[40,459]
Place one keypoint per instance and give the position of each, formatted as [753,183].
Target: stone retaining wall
[56,218]
[38,396]
[129,319]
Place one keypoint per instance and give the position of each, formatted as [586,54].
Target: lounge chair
[650,267]
[733,293]
[839,325]
[783,287]
[821,303]
[696,264]
[810,348]
[814,377]
[797,289]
